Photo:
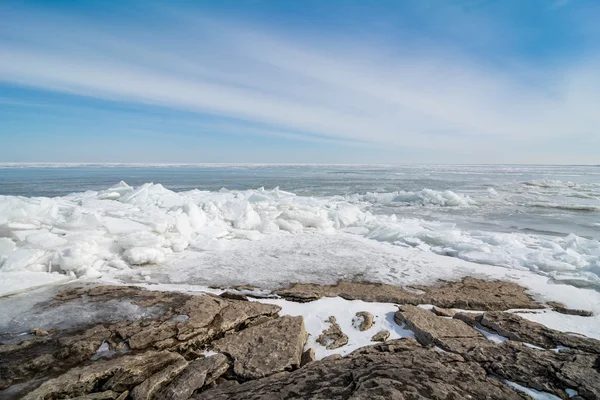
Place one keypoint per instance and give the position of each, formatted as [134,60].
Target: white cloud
[302,88]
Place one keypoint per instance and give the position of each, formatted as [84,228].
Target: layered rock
[179,323]
[400,369]
[263,350]
[469,293]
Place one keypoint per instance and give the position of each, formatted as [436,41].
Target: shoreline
[112,325]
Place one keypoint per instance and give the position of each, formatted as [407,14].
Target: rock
[560,308]
[146,389]
[332,337]
[395,370]
[520,329]
[432,330]
[117,374]
[381,336]
[332,357]
[172,321]
[265,349]
[374,292]
[197,374]
[108,395]
[469,294]
[363,320]
[39,332]
[123,395]
[443,312]
[49,355]
[307,357]
[542,370]
[233,296]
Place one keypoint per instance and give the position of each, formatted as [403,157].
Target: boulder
[363,320]
[332,337]
[432,330]
[381,336]
[265,349]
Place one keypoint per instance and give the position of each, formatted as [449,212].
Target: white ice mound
[92,233]
[425,197]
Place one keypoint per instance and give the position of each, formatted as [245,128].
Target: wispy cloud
[273,83]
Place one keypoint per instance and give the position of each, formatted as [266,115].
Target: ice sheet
[97,233]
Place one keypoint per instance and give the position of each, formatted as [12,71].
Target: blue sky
[337,81]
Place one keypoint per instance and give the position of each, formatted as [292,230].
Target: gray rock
[397,370]
[469,294]
[363,320]
[542,370]
[381,336]
[146,389]
[432,330]
[117,374]
[108,395]
[443,312]
[332,357]
[197,374]
[332,337]
[234,296]
[265,349]
[560,308]
[520,329]
[175,322]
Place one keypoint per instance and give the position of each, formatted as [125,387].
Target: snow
[317,312]
[17,281]
[535,394]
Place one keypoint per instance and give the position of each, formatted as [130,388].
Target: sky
[312,81]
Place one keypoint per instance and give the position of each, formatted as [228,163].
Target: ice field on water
[270,225]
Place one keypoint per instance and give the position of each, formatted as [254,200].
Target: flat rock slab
[147,389]
[265,349]
[117,375]
[396,370]
[432,330]
[520,329]
[196,375]
[469,293]
[171,321]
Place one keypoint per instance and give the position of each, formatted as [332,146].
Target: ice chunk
[119,226]
[45,240]
[197,216]
[144,255]
[141,239]
[183,225]
[23,225]
[78,257]
[248,220]
[25,259]
[139,195]
[7,246]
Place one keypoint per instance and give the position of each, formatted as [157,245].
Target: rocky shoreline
[207,346]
